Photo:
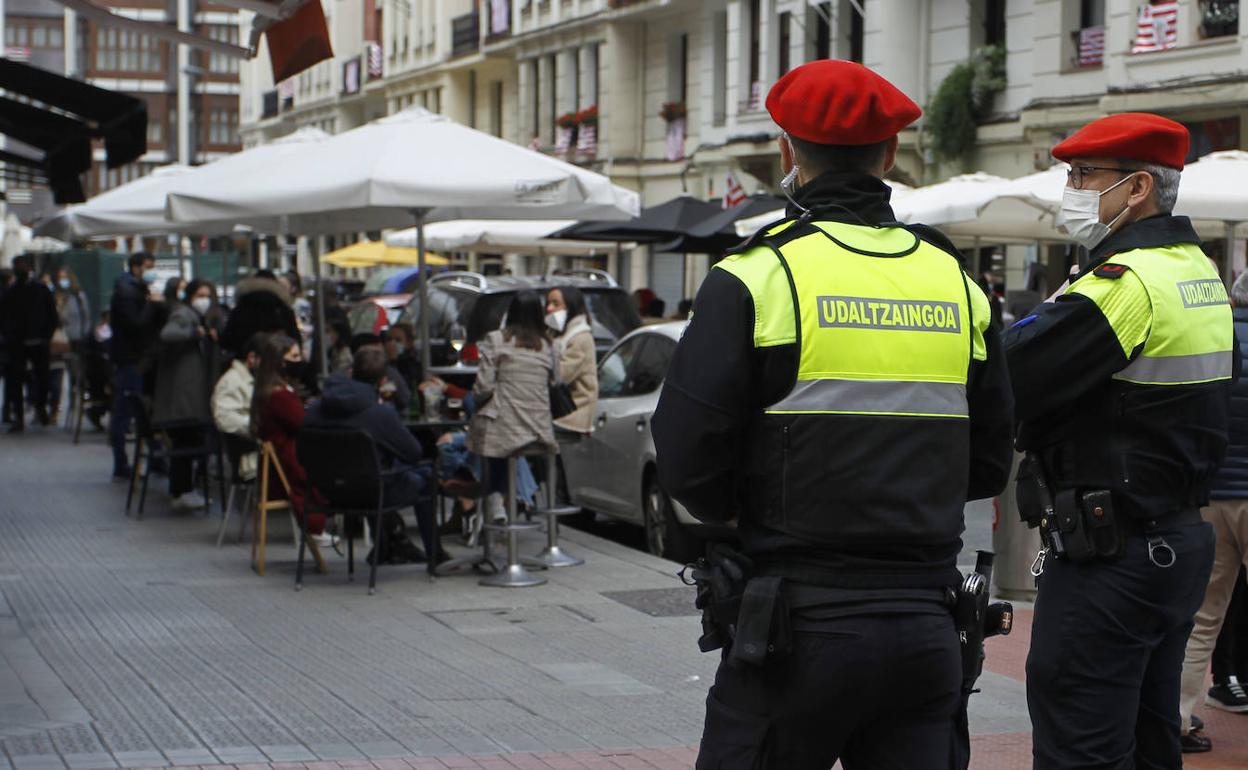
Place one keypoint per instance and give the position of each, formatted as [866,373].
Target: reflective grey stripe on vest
[1201,367]
[936,399]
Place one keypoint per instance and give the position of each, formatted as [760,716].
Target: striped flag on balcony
[587,141]
[734,193]
[1157,28]
[1091,46]
[563,141]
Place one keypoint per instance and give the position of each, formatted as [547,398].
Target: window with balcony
[677,68]
[34,33]
[222,128]
[752,100]
[783,42]
[1218,18]
[552,92]
[123,50]
[496,108]
[1086,47]
[818,31]
[219,63]
[719,68]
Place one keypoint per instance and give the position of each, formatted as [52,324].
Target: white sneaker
[189,501]
[494,506]
[324,540]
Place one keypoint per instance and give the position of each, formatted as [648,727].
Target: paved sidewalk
[140,644]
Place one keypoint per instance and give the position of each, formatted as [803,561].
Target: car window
[613,372]
[613,312]
[446,306]
[650,366]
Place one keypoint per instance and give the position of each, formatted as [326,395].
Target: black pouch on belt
[1103,531]
[763,627]
[1076,539]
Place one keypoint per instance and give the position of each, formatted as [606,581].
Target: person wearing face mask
[1122,385]
[840,395]
[132,320]
[277,414]
[74,310]
[567,318]
[185,371]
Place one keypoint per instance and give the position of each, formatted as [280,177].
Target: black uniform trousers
[1107,644]
[874,691]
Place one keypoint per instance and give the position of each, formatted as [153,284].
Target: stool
[552,555]
[483,561]
[514,574]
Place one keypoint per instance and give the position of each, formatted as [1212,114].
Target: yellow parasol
[370,253]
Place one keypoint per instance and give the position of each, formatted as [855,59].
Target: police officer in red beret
[839,394]
[1122,391]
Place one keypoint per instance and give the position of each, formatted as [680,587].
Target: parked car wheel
[665,536]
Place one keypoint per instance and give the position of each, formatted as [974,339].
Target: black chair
[344,470]
[151,443]
[235,448]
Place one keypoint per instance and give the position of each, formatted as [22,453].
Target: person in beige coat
[512,389]
[568,319]
[231,399]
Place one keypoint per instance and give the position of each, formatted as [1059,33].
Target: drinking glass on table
[433,399]
[458,336]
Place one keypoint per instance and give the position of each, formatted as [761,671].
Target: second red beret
[1139,136]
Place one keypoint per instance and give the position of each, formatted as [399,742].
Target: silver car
[612,471]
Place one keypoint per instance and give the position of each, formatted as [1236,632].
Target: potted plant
[673,111]
[588,116]
[587,140]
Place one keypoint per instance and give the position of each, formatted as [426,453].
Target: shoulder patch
[1111,270]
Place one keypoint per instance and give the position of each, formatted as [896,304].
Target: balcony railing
[465,34]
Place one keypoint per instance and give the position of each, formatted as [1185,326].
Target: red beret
[1138,136]
[839,102]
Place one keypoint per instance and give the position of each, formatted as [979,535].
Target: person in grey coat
[184,379]
[512,389]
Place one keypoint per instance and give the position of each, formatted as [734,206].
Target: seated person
[276,417]
[357,403]
[402,352]
[231,399]
[396,390]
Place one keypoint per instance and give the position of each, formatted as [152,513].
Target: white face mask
[557,320]
[1080,215]
[202,305]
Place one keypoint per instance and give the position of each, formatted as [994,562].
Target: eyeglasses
[1076,174]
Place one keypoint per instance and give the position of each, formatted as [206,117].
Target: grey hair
[1165,185]
[1239,290]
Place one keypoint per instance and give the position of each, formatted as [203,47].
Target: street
[128,643]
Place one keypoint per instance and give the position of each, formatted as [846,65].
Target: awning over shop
[60,117]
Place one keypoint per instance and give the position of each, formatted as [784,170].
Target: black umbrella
[83,112]
[718,233]
[656,223]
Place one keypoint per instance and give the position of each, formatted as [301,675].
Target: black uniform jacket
[719,382]
[1157,447]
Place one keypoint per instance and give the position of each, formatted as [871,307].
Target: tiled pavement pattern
[139,644]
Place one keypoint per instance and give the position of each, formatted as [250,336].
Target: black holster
[763,627]
[720,576]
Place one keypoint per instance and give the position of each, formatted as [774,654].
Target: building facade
[530,70]
[192,96]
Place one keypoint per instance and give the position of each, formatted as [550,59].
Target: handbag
[561,403]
